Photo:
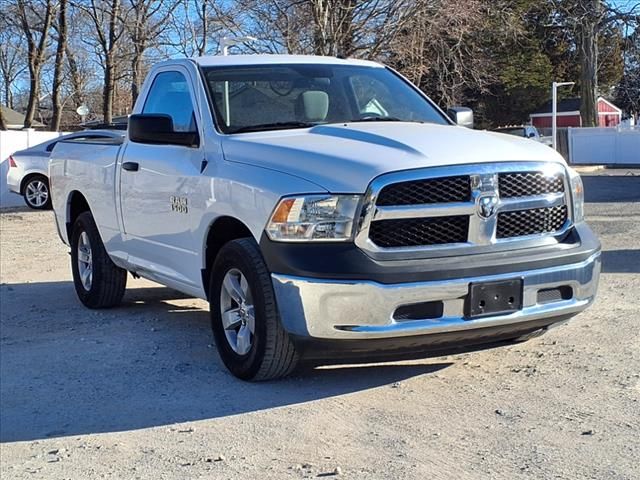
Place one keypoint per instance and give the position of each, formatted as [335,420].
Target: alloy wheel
[37,193]
[85,261]
[237,311]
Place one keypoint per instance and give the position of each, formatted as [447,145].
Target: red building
[569,114]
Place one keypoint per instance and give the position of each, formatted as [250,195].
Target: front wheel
[244,315]
[98,281]
[36,193]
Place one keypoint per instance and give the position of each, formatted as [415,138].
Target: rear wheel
[98,281]
[36,193]
[244,315]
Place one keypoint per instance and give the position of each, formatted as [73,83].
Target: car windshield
[273,97]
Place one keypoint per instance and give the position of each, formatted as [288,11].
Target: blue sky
[625,4]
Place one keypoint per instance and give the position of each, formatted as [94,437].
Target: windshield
[273,97]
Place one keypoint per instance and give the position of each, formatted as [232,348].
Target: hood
[345,158]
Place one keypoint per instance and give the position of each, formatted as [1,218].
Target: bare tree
[587,20]
[333,26]
[440,49]
[35,26]
[61,29]
[628,91]
[344,27]
[3,123]
[85,82]
[279,25]
[195,25]
[147,21]
[589,15]
[79,58]
[453,50]
[77,82]
[325,27]
[12,58]
[107,18]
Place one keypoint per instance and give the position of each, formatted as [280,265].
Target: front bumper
[353,310]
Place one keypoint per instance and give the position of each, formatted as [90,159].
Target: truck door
[156,187]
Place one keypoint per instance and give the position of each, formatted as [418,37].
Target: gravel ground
[139,392]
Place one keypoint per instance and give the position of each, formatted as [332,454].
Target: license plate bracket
[499,297]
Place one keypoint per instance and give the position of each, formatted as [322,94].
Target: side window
[169,94]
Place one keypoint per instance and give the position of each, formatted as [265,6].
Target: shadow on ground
[611,188]
[66,370]
[621,261]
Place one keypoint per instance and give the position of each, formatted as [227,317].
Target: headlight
[314,218]
[577,195]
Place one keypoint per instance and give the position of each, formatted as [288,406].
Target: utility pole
[225,43]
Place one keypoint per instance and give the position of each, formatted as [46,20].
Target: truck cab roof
[270,59]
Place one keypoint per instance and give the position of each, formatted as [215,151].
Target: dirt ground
[138,392]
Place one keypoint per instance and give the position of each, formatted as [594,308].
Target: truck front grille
[416,232]
[530,222]
[487,206]
[524,184]
[433,190]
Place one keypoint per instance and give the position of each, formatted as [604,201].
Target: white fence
[604,146]
[12,141]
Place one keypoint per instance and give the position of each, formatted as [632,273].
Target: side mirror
[532,135]
[463,116]
[157,129]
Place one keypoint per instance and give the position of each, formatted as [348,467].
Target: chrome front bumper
[353,310]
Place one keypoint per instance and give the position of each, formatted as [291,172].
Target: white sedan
[28,173]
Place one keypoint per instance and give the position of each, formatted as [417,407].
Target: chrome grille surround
[482,235]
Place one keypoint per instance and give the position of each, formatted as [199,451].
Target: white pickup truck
[327,210]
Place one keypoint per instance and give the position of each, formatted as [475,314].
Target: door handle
[130,166]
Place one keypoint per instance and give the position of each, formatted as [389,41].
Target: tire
[36,193]
[106,282]
[271,353]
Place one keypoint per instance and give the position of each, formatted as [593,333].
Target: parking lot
[139,392]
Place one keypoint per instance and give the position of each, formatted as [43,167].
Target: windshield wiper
[271,126]
[374,118]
